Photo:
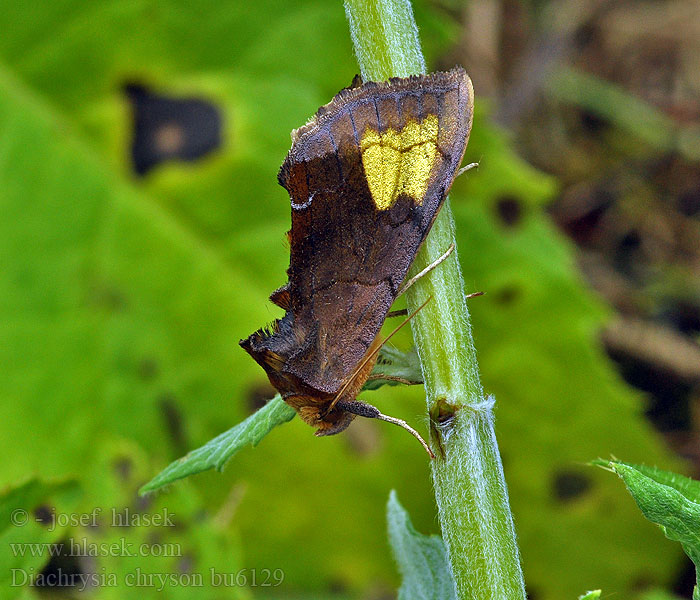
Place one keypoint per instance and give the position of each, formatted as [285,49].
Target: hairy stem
[470,488]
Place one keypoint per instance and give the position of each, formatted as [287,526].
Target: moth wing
[366,177]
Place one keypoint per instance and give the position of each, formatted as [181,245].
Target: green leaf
[422,559]
[121,295]
[667,499]
[23,531]
[201,541]
[215,453]
[592,595]
[395,367]
[687,486]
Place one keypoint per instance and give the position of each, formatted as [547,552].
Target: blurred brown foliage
[631,207]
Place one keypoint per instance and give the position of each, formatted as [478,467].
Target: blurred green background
[123,296]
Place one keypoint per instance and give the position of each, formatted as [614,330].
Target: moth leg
[469,167]
[368,411]
[412,280]
[407,284]
[370,356]
[430,267]
[386,377]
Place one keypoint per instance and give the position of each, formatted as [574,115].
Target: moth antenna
[407,427]
[469,167]
[372,412]
[430,267]
[372,354]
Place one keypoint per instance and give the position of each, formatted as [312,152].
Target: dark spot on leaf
[258,396]
[43,514]
[63,571]
[669,408]
[641,582]
[148,369]
[586,35]
[682,315]
[509,210]
[507,294]
[108,297]
[170,128]
[143,503]
[581,212]
[570,484]
[379,591]
[689,203]
[337,586]
[532,593]
[626,256]
[173,422]
[684,582]
[185,564]
[582,228]
[592,122]
[200,516]
[123,467]
[631,241]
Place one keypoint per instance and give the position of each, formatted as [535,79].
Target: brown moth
[366,177]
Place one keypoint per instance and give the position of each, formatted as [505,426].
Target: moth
[366,176]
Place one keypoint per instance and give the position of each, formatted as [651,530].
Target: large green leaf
[122,301]
[422,559]
[669,500]
[215,453]
[78,324]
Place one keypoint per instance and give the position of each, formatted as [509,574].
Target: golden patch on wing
[400,162]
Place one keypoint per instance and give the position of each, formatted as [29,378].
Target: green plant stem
[470,488]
